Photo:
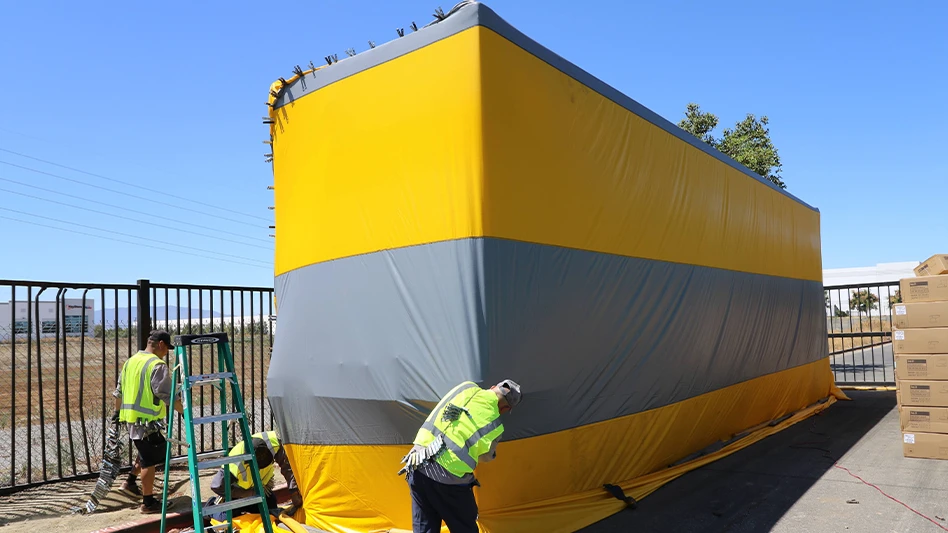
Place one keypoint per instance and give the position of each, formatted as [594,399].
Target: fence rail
[859,332]
[66,344]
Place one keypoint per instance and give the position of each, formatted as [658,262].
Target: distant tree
[896,298]
[863,301]
[839,313]
[748,142]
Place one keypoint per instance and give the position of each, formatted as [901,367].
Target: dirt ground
[48,509]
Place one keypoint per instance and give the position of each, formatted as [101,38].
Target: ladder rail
[226,373]
[225,438]
[248,440]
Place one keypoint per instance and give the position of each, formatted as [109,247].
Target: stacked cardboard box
[920,343]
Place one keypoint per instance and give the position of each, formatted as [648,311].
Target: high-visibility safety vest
[138,400]
[241,470]
[469,436]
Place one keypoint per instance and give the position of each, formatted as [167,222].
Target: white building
[883,272]
[22,317]
[880,276]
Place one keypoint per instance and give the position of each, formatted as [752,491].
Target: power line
[87,184]
[130,218]
[130,242]
[132,236]
[124,208]
[182,198]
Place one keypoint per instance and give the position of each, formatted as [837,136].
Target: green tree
[748,142]
[896,298]
[863,301]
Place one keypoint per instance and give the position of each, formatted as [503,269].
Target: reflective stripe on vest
[485,415]
[241,470]
[138,400]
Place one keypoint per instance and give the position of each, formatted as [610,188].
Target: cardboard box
[920,340]
[933,266]
[921,366]
[923,393]
[925,445]
[920,315]
[924,419]
[924,289]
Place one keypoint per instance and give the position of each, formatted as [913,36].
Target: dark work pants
[432,502]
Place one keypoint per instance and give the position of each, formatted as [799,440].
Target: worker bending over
[141,399]
[269,450]
[462,430]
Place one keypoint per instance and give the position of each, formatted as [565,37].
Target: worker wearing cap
[141,399]
[269,450]
[461,431]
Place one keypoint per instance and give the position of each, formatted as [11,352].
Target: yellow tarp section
[473,136]
[252,523]
[354,489]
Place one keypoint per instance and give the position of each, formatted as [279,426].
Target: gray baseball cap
[512,394]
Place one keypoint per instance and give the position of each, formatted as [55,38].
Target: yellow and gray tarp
[463,204]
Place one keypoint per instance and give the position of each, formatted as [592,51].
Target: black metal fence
[859,332]
[66,344]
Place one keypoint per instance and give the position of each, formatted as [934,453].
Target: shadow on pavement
[61,498]
[752,489]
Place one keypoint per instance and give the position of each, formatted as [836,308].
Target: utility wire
[145,198]
[125,208]
[132,236]
[131,242]
[182,198]
[132,219]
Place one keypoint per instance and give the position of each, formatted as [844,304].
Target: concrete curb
[183,519]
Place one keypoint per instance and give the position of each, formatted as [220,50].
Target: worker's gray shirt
[160,383]
[436,472]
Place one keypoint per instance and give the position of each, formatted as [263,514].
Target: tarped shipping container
[463,204]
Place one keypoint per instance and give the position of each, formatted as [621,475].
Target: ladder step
[204,379]
[216,418]
[233,504]
[221,461]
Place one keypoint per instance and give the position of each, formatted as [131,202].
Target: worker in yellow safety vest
[461,431]
[141,401]
[269,451]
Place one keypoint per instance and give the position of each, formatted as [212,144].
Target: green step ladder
[225,374]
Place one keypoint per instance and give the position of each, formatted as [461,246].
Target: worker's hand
[296,499]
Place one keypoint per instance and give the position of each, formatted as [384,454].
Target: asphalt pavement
[864,365]
[795,481]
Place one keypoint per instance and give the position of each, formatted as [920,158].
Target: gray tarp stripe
[480,15]
[589,336]
[429,422]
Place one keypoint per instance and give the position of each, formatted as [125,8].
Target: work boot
[131,488]
[152,506]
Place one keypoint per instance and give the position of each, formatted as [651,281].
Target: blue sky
[169,97]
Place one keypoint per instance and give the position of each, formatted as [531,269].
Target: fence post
[144,312]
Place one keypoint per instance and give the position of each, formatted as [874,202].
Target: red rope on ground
[896,500]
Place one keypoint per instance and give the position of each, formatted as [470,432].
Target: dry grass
[54,398]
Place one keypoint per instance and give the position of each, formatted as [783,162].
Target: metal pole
[144,313]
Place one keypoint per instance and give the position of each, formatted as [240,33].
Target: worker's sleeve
[221,477]
[161,383]
[117,393]
[490,454]
[286,469]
